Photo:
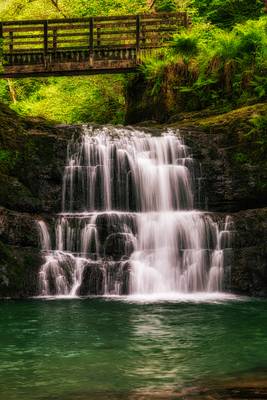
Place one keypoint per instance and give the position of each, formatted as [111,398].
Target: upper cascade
[127,171]
[128,224]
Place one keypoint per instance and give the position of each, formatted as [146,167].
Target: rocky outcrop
[231,152]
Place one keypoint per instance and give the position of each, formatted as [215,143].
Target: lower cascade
[128,223]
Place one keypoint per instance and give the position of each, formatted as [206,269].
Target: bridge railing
[78,39]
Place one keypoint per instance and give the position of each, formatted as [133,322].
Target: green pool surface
[117,347]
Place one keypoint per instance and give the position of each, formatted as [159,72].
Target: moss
[241,115]
[241,157]
[7,160]
[247,126]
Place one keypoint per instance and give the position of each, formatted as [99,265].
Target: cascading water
[128,225]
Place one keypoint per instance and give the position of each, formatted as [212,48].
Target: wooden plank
[65,27]
[75,34]
[118,25]
[67,50]
[24,51]
[85,40]
[18,73]
[118,39]
[115,24]
[31,29]
[25,37]
[50,28]
[85,27]
[24,22]
[68,27]
[40,43]
[106,33]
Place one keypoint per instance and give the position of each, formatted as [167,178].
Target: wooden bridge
[83,46]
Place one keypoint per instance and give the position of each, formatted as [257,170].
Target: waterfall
[128,223]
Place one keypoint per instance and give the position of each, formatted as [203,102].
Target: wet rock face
[18,229]
[39,169]
[249,268]
[19,267]
[226,185]
[20,256]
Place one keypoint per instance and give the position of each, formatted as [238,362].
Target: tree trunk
[12,91]
[151,4]
[55,4]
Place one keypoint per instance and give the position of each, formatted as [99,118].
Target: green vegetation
[211,67]
[69,100]
[220,63]
[227,13]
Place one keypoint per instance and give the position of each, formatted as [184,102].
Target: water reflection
[80,349]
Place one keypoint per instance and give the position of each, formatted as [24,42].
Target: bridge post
[11,46]
[91,42]
[11,42]
[98,36]
[54,40]
[138,24]
[45,42]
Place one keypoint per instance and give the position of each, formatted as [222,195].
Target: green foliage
[218,68]
[71,100]
[185,44]
[153,69]
[254,143]
[227,13]
[40,9]
[241,158]
[259,130]
[165,6]
[7,160]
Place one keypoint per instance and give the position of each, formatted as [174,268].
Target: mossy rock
[19,269]
[14,195]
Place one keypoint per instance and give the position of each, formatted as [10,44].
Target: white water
[128,224]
